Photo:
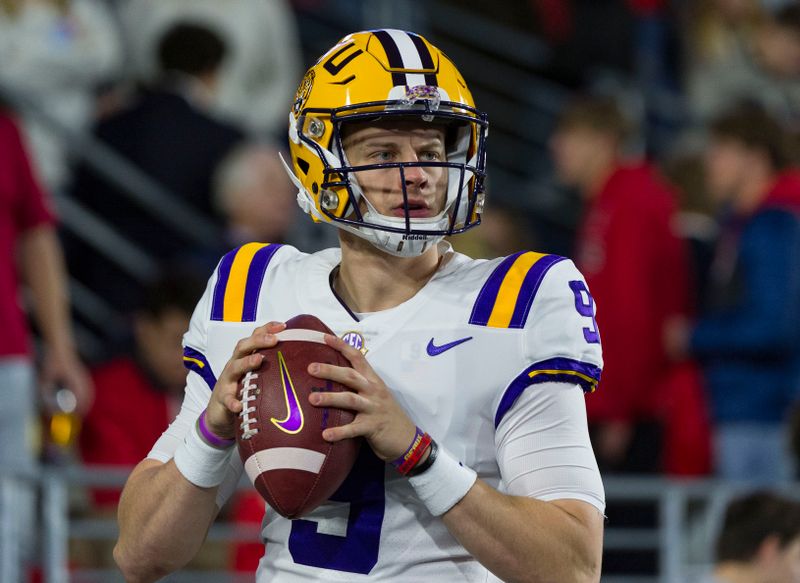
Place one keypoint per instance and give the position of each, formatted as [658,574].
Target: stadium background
[525,62]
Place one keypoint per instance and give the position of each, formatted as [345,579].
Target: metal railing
[689,513]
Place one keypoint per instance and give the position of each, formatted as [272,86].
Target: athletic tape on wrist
[200,463]
[443,484]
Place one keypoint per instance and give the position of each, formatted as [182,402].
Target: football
[279,436]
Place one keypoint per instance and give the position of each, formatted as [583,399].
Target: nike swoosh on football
[434,350]
[293,422]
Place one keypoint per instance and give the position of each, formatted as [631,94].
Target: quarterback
[490,360]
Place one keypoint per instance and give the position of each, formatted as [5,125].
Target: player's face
[400,141]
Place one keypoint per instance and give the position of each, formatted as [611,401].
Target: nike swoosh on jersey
[293,422]
[434,350]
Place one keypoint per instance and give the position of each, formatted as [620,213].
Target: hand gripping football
[280,433]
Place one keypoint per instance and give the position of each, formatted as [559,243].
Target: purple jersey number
[357,552]
[584,303]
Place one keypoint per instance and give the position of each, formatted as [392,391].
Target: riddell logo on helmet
[415,237]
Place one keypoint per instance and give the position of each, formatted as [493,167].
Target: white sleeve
[543,448]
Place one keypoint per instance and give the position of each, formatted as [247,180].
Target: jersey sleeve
[541,436]
[200,382]
[543,447]
[560,340]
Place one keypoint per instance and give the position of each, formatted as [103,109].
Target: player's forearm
[163,520]
[42,265]
[527,540]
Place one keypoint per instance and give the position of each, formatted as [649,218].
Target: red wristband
[406,462]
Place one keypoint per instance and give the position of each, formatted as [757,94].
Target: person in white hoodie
[55,53]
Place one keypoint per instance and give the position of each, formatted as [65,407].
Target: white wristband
[200,463]
[442,485]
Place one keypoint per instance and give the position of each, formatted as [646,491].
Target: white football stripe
[283,458]
[301,335]
[407,48]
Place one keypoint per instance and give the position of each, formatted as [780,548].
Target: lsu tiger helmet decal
[374,76]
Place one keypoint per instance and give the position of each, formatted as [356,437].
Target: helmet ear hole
[304,166]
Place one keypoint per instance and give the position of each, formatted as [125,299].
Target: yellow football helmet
[378,75]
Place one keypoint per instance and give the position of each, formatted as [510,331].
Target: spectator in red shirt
[637,270]
[138,396]
[29,251]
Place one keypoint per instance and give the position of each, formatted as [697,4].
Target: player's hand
[379,417]
[224,405]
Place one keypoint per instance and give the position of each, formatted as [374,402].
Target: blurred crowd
[691,249]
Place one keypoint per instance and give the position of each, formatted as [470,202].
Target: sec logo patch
[356,340]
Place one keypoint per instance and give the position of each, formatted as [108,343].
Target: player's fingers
[344,375]
[262,337]
[268,328]
[272,327]
[352,354]
[340,400]
[238,367]
[232,403]
[334,434]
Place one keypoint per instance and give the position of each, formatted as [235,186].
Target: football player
[474,370]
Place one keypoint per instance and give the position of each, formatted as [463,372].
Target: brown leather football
[280,432]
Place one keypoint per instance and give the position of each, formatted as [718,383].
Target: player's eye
[430,156]
[382,156]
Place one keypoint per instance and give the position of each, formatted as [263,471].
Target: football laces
[249,393]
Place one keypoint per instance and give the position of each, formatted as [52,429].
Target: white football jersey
[458,357]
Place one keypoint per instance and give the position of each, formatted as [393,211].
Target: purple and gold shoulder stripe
[558,370]
[239,278]
[196,361]
[506,297]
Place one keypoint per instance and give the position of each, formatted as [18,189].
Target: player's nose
[415,176]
